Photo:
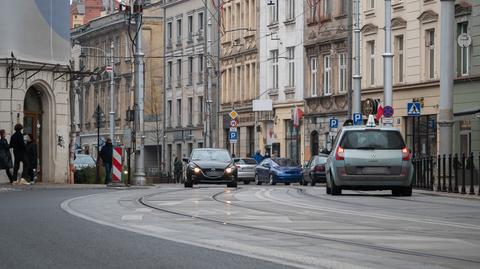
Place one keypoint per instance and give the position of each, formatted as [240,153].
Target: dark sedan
[314,170]
[281,170]
[210,166]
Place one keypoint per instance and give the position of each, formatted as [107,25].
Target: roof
[363,127]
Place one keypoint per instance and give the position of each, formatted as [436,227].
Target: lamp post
[99,117]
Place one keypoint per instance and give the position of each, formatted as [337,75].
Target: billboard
[35,30]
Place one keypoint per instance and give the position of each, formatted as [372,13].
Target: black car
[314,170]
[210,166]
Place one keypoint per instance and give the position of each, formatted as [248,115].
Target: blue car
[281,170]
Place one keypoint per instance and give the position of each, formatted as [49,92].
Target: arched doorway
[32,121]
[314,143]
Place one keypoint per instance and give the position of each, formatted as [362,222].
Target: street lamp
[99,117]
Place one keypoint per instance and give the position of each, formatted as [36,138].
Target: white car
[83,161]
[246,169]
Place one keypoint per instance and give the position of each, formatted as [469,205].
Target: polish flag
[297,115]
[379,112]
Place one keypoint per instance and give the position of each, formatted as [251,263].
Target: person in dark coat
[178,170]
[5,156]
[19,147]
[106,154]
[32,158]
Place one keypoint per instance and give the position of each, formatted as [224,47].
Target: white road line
[132,217]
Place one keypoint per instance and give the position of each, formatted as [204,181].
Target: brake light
[340,155]
[319,168]
[238,165]
[405,154]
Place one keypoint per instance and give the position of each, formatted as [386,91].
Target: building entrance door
[32,123]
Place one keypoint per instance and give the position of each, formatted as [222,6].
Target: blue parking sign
[333,123]
[233,136]
[357,119]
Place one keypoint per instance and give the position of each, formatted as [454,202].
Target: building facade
[327,71]
[416,66]
[185,79]
[94,41]
[466,94]
[83,11]
[239,74]
[281,59]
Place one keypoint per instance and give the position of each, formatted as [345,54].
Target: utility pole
[350,62]
[139,176]
[445,122]
[112,98]
[357,77]
[388,56]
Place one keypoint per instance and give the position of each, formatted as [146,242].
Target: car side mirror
[186,160]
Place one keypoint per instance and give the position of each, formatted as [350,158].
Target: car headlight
[230,169]
[197,170]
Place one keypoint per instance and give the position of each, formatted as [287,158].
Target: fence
[447,173]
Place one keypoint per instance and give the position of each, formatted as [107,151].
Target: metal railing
[447,173]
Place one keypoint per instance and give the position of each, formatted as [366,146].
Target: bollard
[444,177]
[430,172]
[472,189]
[450,173]
[455,168]
[425,172]
[439,174]
[463,175]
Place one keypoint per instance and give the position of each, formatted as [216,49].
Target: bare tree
[155,123]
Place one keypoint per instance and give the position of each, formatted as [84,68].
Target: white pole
[357,77]
[112,97]
[388,56]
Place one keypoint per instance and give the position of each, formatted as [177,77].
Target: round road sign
[233,123]
[388,111]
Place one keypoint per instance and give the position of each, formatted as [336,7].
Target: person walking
[106,154]
[178,170]
[258,156]
[5,156]
[32,157]
[18,144]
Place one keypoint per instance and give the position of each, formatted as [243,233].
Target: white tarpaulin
[35,30]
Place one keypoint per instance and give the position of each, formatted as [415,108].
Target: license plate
[375,170]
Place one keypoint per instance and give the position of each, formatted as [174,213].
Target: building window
[343,7]
[190,27]
[342,72]
[371,4]
[190,70]
[127,47]
[291,66]
[326,9]
[430,36]
[274,59]
[179,31]
[116,50]
[290,9]
[169,74]
[179,112]
[371,62]
[200,68]
[169,113]
[292,141]
[400,58]
[273,11]
[200,23]
[179,73]
[190,111]
[313,75]
[313,9]
[200,110]
[169,34]
[463,53]
[327,75]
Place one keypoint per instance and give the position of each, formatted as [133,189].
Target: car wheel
[406,191]
[287,183]
[188,184]
[396,192]
[257,180]
[246,182]
[329,191]
[335,190]
[312,183]
[232,185]
[271,180]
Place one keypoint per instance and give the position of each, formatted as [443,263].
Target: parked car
[314,170]
[210,166]
[369,158]
[246,169]
[281,170]
[83,161]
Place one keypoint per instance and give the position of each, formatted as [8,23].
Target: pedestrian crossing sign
[413,109]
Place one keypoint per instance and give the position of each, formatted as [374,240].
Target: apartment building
[83,11]
[281,60]
[239,73]
[327,67]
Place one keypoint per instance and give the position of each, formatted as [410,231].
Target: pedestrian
[17,142]
[267,155]
[5,156]
[106,154]
[32,158]
[178,170]
[258,156]
[233,155]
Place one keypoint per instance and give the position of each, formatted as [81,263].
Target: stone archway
[38,120]
[314,143]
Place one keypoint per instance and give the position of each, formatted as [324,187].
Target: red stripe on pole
[117,165]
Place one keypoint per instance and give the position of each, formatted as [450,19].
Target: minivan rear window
[372,139]
[245,161]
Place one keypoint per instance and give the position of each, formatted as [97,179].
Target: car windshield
[372,139]
[245,161]
[321,160]
[84,160]
[285,162]
[211,155]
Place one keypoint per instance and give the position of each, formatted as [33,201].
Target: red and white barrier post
[117,165]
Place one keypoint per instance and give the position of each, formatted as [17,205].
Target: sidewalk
[450,194]
[39,186]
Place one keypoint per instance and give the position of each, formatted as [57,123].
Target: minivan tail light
[405,154]
[340,155]
[319,168]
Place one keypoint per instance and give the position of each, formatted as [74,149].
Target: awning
[467,114]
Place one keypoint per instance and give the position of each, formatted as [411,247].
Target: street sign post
[414,109]
[333,123]
[233,136]
[233,114]
[388,111]
[234,123]
[357,119]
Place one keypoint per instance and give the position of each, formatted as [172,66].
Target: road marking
[267,196]
[143,210]
[132,217]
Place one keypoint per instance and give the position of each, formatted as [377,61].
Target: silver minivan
[369,158]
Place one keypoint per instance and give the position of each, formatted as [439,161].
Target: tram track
[143,200]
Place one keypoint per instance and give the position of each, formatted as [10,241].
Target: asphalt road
[36,233]
[300,226]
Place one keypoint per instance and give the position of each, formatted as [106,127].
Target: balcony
[190,79]
[179,41]
[190,37]
[169,43]
[179,81]
[200,35]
